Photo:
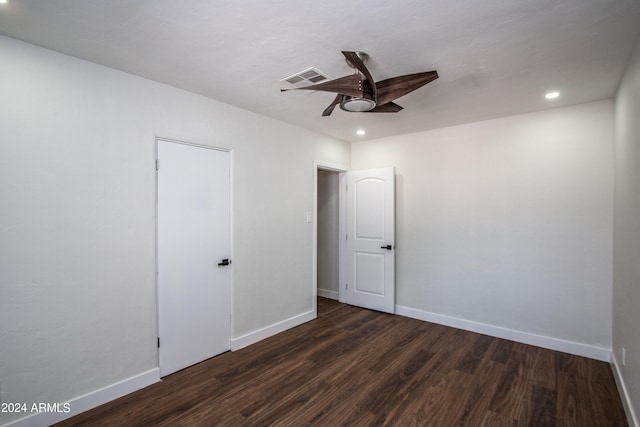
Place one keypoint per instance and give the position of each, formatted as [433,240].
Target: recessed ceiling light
[360,132]
[552,95]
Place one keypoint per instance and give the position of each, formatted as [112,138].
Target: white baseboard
[91,400]
[268,331]
[632,419]
[586,350]
[328,294]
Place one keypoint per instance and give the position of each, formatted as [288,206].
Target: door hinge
[158,342]
[347,286]
[157,165]
[346,237]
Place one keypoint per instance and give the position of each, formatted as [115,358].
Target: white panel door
[194,291]
[371,239]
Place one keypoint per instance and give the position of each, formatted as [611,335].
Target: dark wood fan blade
[347,85]
[395,87]
[357,62]
[329,109]
[389,107]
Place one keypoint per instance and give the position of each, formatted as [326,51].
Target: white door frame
[342,247]
[231,239]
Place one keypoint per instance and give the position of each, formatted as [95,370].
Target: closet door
[194,280]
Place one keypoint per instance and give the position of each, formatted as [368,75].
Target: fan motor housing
[356,105]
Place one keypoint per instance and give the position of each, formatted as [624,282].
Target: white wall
[77,218]
[328,221]
[507,222]
[626,282]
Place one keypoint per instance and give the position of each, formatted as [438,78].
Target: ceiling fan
[360,93]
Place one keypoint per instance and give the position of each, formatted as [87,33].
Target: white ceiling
[495,57]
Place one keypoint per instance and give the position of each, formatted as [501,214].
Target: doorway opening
[328,238]
[328,233]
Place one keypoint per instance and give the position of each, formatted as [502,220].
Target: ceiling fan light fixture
[357,105]
[359,92]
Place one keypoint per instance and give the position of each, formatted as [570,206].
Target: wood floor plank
[355,367]
[491,419]
[544,369]
[513,395]
[502,351]
[543,412]
[391,391]
[604,395]
[469,363]
[484,385]
[574,400]
[393,351]
[446,401]
[344,405]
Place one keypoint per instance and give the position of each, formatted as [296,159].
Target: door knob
[388,247]
[224,262]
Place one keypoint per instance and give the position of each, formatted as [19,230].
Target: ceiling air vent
[306,77]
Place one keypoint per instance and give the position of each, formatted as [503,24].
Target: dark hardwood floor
[355,367]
